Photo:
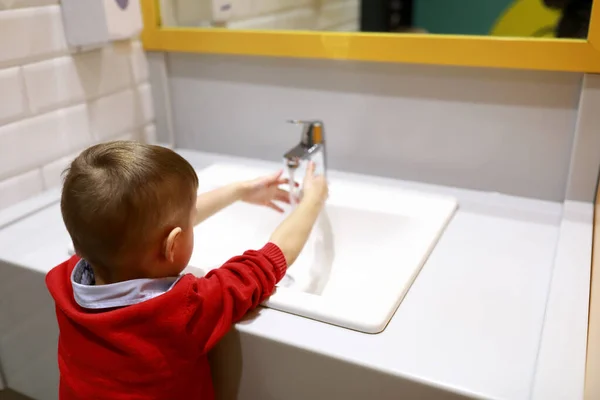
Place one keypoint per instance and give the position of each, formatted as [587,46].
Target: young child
[130,326]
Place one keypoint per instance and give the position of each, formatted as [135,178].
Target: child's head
[130,210]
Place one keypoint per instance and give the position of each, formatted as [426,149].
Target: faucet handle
[312,132]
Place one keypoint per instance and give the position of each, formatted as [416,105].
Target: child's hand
[291,235]
[315,186]
[265,191]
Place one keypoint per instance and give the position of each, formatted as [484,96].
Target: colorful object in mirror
[545,18]
[527,18]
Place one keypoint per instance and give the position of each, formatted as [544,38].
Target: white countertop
[474,319]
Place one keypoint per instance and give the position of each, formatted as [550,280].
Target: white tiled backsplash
[55,102]
[329,15]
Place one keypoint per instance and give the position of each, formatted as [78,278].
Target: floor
[10,395]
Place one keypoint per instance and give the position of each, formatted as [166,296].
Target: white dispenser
[94,23]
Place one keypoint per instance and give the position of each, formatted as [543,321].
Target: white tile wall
[55,101]
[20,186]
[266,7]
[145,107]
[12,101]
[52,83]
[113,115]
[338,13]
[105,71]
[139,63]
[268,14]
[31,33]
[70,79]
[52,172]
[149,134]
[304,18]
[8,4]
[36,141]
[128,136]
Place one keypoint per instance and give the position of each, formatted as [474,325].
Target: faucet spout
[310,148]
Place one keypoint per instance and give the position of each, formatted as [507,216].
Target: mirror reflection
[516,18]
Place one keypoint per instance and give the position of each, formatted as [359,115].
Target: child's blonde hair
[120,196]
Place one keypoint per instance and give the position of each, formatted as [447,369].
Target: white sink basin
[363,255]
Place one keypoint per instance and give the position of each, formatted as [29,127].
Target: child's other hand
[315,186]
[265,191]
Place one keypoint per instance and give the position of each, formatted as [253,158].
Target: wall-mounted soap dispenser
[94,23]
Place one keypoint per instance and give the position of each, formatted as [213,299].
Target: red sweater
[157,349]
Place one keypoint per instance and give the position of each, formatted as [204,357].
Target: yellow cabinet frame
[473,51]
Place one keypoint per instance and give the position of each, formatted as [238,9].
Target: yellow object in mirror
[527,18]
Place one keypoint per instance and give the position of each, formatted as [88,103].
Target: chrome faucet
[310,148]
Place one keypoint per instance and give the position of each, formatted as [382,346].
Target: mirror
[507,18]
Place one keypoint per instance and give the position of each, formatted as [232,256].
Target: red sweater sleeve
[226,294]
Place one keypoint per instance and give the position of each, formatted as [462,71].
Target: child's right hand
[291,235]
[315,186]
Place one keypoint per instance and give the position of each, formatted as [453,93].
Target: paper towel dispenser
[93,23]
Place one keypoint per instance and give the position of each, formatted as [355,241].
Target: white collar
[119,294]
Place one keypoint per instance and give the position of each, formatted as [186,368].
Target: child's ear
[171,244]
